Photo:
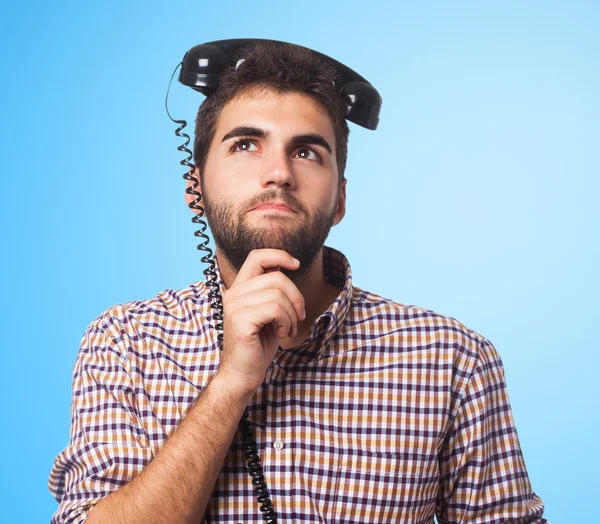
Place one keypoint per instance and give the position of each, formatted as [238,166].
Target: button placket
[278,445]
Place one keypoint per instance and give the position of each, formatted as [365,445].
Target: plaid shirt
[387,413]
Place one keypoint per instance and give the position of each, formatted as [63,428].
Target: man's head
[274,131]
[282,68]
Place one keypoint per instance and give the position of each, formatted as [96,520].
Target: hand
[261,307]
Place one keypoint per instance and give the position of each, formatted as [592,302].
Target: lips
[275,205]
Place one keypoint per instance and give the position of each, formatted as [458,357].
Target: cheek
[228,194]
[329,198]
[240,163]
[233,176]
[218,176]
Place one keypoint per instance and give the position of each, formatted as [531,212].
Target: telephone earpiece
[203,64]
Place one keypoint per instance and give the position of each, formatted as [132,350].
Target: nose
[278,170]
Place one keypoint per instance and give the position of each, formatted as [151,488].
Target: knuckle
[279,294]
[275,310]
[282,281]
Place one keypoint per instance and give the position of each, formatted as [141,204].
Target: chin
[275,231]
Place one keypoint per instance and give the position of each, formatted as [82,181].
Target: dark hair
[283,68]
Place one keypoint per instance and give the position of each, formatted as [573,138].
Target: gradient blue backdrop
[476,197]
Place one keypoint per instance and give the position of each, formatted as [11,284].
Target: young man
[364,409]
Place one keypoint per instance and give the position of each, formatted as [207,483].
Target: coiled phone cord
[253,461]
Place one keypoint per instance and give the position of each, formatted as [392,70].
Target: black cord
[256,471]
[253,461]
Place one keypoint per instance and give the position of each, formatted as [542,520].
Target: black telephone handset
[201,69]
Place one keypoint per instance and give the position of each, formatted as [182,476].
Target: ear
[341,205]
[189,198]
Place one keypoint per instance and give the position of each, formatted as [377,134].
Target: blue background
[476,196]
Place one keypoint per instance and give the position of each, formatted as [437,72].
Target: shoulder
[412,335]
[167,310]
[425,327]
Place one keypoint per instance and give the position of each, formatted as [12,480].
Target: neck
[318,294]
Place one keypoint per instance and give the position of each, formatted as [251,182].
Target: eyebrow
[309,138]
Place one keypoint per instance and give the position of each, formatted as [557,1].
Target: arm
[483,478]
[177,484]
[109,447]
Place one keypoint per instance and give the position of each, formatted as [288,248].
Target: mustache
[274,196]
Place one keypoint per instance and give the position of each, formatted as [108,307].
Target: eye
[305,151]
[239,145]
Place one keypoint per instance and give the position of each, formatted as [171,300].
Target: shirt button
[278,445]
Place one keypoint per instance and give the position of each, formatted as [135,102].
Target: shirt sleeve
[483,478]
[108,445]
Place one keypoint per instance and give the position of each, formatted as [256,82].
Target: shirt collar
[336,271]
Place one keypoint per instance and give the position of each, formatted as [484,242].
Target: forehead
[285,113]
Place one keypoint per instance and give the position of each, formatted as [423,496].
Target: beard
[235,236]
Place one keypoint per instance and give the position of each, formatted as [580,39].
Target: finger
[250,320]
[261,301]
[274,279]
[260,260]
